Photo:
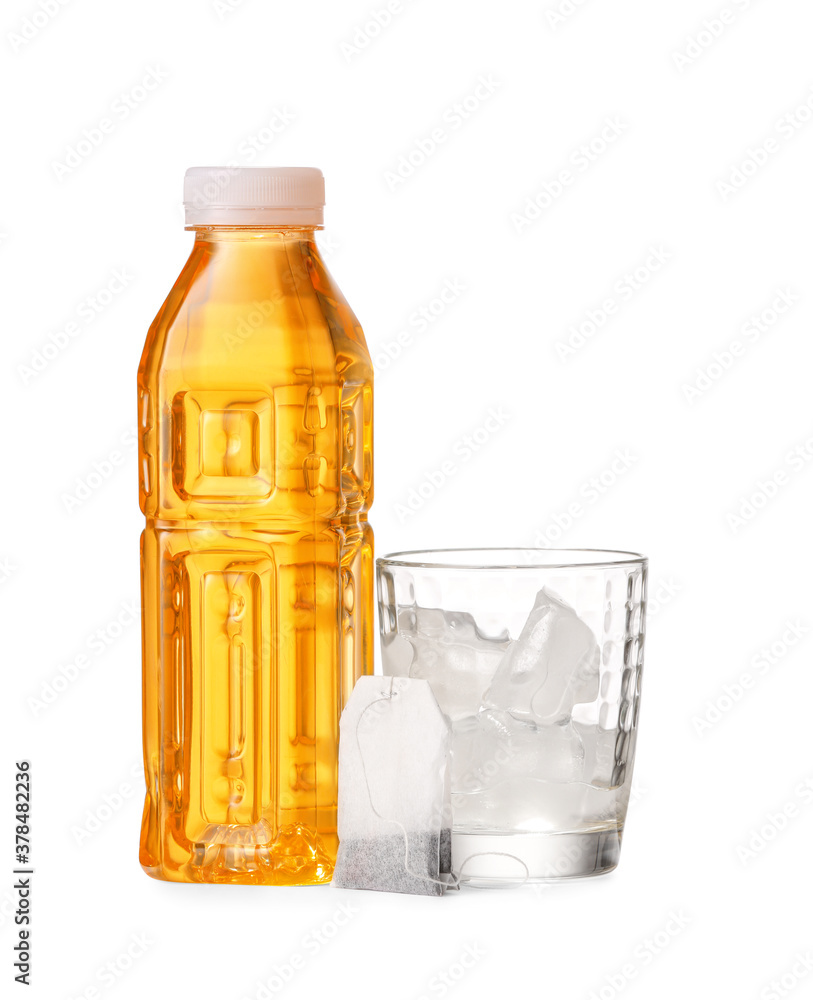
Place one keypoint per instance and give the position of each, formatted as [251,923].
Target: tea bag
[394,789]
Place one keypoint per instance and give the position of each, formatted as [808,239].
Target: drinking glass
[535,656]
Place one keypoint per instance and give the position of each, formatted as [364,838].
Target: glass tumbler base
[486,859]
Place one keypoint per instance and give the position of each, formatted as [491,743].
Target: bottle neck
[248,260]
[254,235]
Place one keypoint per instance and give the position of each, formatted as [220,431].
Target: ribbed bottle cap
[254,196]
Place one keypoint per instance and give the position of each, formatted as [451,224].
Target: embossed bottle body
[255,411]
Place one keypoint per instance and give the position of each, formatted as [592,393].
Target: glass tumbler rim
[523,558]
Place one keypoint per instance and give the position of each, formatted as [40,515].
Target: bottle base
[295,858]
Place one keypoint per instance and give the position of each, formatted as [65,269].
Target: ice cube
[477,754]
[447,649]
[458,672]
[397,654]
[599,754]
[459,626]
[493,747]
[552,752]
[552,666]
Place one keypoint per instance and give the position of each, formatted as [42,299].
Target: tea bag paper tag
[394,789]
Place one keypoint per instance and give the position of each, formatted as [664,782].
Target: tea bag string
[452,881]
[496,854]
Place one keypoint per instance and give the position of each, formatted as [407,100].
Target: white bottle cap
[254,196]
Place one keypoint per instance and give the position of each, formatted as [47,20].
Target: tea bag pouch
[394,789]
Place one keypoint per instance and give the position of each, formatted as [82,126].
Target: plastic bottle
[255,451]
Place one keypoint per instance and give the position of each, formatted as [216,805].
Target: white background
[721,591]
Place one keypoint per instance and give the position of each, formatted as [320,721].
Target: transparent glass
[255,456]
[536,657]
